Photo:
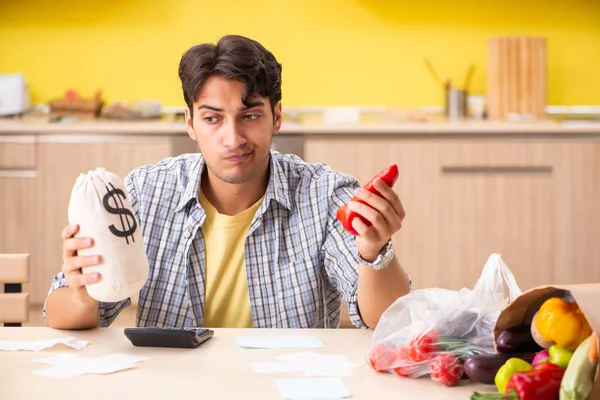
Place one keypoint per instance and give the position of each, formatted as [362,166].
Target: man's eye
[211,120]
[252,116]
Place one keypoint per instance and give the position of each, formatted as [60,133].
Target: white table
[218,369]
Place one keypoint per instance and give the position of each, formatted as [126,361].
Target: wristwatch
[383,259]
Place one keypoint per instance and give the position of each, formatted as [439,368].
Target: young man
[239,235]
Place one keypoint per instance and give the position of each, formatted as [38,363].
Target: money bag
[100,206]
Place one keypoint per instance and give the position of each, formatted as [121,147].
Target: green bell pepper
[560,356]
[511,366]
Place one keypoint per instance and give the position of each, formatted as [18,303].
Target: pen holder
[456,104]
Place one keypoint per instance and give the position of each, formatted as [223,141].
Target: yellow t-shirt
[226,299]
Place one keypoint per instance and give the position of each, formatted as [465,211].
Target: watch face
[382,259]
[378,266]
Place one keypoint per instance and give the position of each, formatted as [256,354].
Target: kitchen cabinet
[19,223]
[17,152]
[495,197]
[577,212]
[18,179]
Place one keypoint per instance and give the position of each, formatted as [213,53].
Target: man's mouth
[238,157]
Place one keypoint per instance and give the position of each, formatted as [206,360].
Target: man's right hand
[72,264]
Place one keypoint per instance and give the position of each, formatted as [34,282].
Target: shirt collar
[277,188]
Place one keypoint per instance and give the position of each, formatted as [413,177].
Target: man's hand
[385,213]
[72,264]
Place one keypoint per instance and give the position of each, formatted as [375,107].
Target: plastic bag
[432,331]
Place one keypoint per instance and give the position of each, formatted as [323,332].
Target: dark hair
[234,57]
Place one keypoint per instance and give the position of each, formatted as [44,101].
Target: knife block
[516,78]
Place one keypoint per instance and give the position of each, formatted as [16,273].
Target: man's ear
[189,124]
[277,117]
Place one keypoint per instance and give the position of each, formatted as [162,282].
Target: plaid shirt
[300,264]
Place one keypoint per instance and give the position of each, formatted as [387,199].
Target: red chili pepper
[541,383]
[345,216]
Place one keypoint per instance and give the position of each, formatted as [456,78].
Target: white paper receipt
[38,345]
[311,364]
[312,388]
[70,365]
[278,342]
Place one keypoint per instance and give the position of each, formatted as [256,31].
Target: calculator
[181,338]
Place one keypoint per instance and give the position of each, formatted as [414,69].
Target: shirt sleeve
[339,250]
[341,258]
[109,311]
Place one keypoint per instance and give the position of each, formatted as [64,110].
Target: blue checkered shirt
[300,262]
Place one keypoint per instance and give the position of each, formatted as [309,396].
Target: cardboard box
[522,309]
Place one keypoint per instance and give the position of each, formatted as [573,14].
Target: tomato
[423,347]
[446,369]
[379,357]
[402,363]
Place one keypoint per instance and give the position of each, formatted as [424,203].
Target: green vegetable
[560,356]
[579,376]
[511,366]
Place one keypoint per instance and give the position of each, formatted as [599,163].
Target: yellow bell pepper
[563,323]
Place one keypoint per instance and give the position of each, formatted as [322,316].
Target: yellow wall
[333,51]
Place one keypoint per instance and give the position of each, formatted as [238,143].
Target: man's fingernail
[87,241]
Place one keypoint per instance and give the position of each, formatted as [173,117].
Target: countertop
[217,369]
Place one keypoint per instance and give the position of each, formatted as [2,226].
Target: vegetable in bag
[100,206]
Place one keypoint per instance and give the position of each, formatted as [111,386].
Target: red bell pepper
[541,383]
[345,216]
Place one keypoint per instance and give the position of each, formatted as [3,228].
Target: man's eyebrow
[201,106]
[257,103]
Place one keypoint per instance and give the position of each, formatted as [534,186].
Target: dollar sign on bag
[127,227]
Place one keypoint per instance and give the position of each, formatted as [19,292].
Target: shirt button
[187,234]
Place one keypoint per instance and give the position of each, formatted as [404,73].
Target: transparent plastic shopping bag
[432,331]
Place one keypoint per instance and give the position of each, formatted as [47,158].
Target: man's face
[235,140]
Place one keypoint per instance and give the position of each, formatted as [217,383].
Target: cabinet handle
[18,173]
[497,169]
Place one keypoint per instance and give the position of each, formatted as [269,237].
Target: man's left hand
[385,213]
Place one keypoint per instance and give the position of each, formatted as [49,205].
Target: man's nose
[233,135]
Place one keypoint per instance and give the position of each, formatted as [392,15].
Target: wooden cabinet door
[496,196]
[19,223]
[59,165]
[577,212]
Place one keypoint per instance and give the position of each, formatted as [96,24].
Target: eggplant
[482,368]
[517,339]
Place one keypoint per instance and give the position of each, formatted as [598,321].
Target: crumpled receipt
[38,345]
[67,365]
[311,364]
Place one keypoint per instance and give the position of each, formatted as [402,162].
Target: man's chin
[237,175]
